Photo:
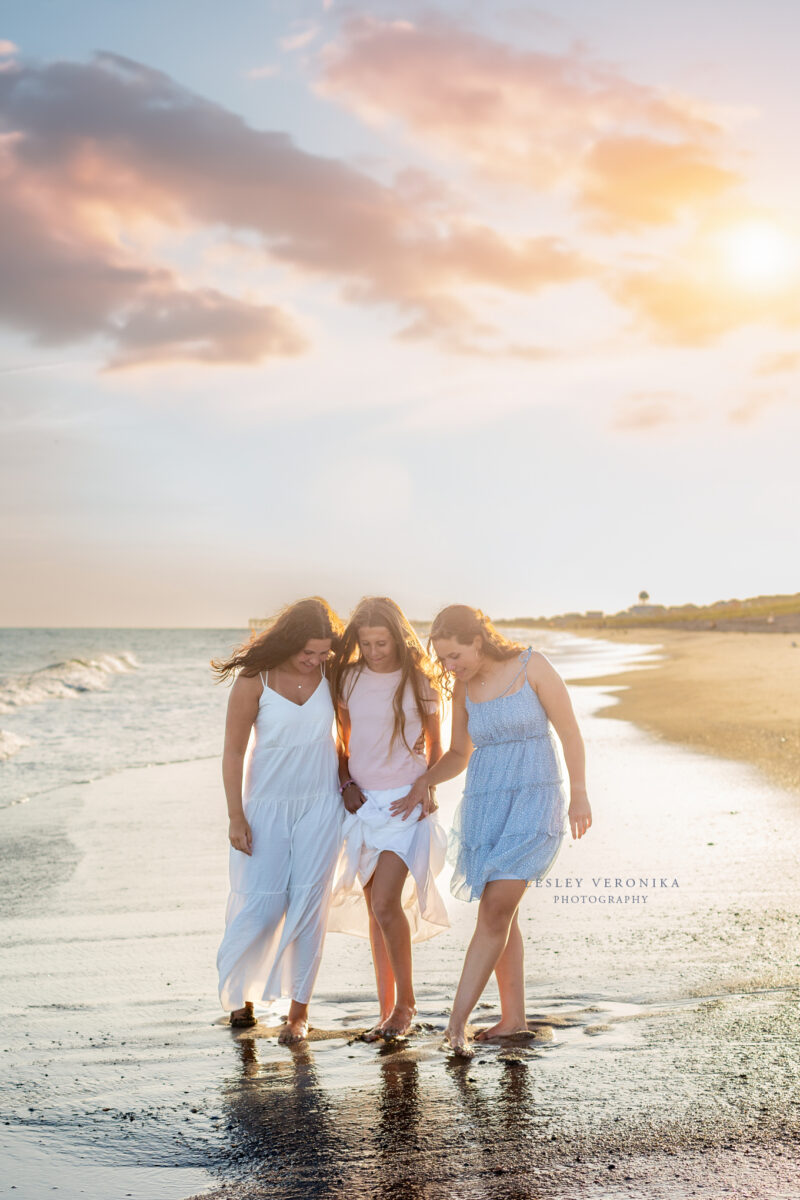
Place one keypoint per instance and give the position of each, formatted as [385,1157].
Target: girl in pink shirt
[388,709]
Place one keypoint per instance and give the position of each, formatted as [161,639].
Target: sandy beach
[733,694]
[662,992]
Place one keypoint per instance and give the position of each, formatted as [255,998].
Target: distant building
[646,610]
[596,614]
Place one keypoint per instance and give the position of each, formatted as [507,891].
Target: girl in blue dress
[507,700]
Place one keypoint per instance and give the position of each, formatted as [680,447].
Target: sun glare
[759,254]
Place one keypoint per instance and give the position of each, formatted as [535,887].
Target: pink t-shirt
[369,697]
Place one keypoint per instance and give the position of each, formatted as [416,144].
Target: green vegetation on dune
[778,613]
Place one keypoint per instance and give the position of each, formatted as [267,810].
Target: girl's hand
[429,805]
[580,814]
[240,835]
[405,805]
[353,798]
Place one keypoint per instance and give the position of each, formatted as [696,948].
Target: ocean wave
[10,744]
[63,680]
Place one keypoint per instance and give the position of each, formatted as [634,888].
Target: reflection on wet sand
[418,1124]
[595,1093]
[399,1133]
[279,1124]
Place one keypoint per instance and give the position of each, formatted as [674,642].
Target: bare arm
[352,796]
[451,763]
[553,694]
[432,738]
[432,731]
[242,712]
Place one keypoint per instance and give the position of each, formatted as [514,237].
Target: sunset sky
[492,304]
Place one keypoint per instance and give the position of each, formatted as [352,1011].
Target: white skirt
[421,844]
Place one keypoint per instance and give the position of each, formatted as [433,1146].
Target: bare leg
[510,975]
[498,905]
[295,1027]
[387,889]
[384,976]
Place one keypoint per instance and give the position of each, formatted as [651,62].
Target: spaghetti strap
[264,676]
[522,670]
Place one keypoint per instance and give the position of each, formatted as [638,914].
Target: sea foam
[63,680]
[10,744]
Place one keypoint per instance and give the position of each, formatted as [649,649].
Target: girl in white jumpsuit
[285,824]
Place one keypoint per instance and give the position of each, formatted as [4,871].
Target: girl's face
[378,648]
[461,659]
[309,660]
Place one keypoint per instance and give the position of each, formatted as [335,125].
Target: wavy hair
[463,623]
[415,664]
[287,634]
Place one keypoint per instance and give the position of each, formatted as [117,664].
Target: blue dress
[513,815]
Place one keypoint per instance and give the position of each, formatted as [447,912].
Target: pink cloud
[203,326]
[643,411]
[92,149]
[543,120]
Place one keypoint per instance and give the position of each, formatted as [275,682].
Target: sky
[458,303]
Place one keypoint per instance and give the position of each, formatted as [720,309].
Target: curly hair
[287,634]
[415,665]
[464,624]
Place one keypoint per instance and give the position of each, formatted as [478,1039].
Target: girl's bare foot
[376,1033]
[457,1042]
[398,1023]
[293,1031]
[501,1029]
[243,1018]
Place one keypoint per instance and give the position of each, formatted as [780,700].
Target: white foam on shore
[10,744]
[64,680]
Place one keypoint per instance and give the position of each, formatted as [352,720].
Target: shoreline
[734,695]
[639,1070]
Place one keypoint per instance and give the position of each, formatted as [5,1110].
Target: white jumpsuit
[278,905]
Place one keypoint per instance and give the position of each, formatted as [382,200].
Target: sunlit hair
[415,665]
[464,624]
[287,634]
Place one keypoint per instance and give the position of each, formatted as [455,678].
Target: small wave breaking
[64,680]
[10,744]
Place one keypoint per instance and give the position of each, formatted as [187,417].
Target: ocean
[80,704]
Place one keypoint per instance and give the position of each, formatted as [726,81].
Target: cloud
[268,71]
[64,280]
[542,120]
[203,326]
[637,180]
[775,364]
[690,300]
[753,406]
[296,41]
[7,48]
[643,411]
[92,151]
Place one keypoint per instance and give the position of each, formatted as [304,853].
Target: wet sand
[666,1051]
[736,695]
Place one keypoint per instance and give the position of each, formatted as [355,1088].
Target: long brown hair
[463,623]
[415,665]
[286,635]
